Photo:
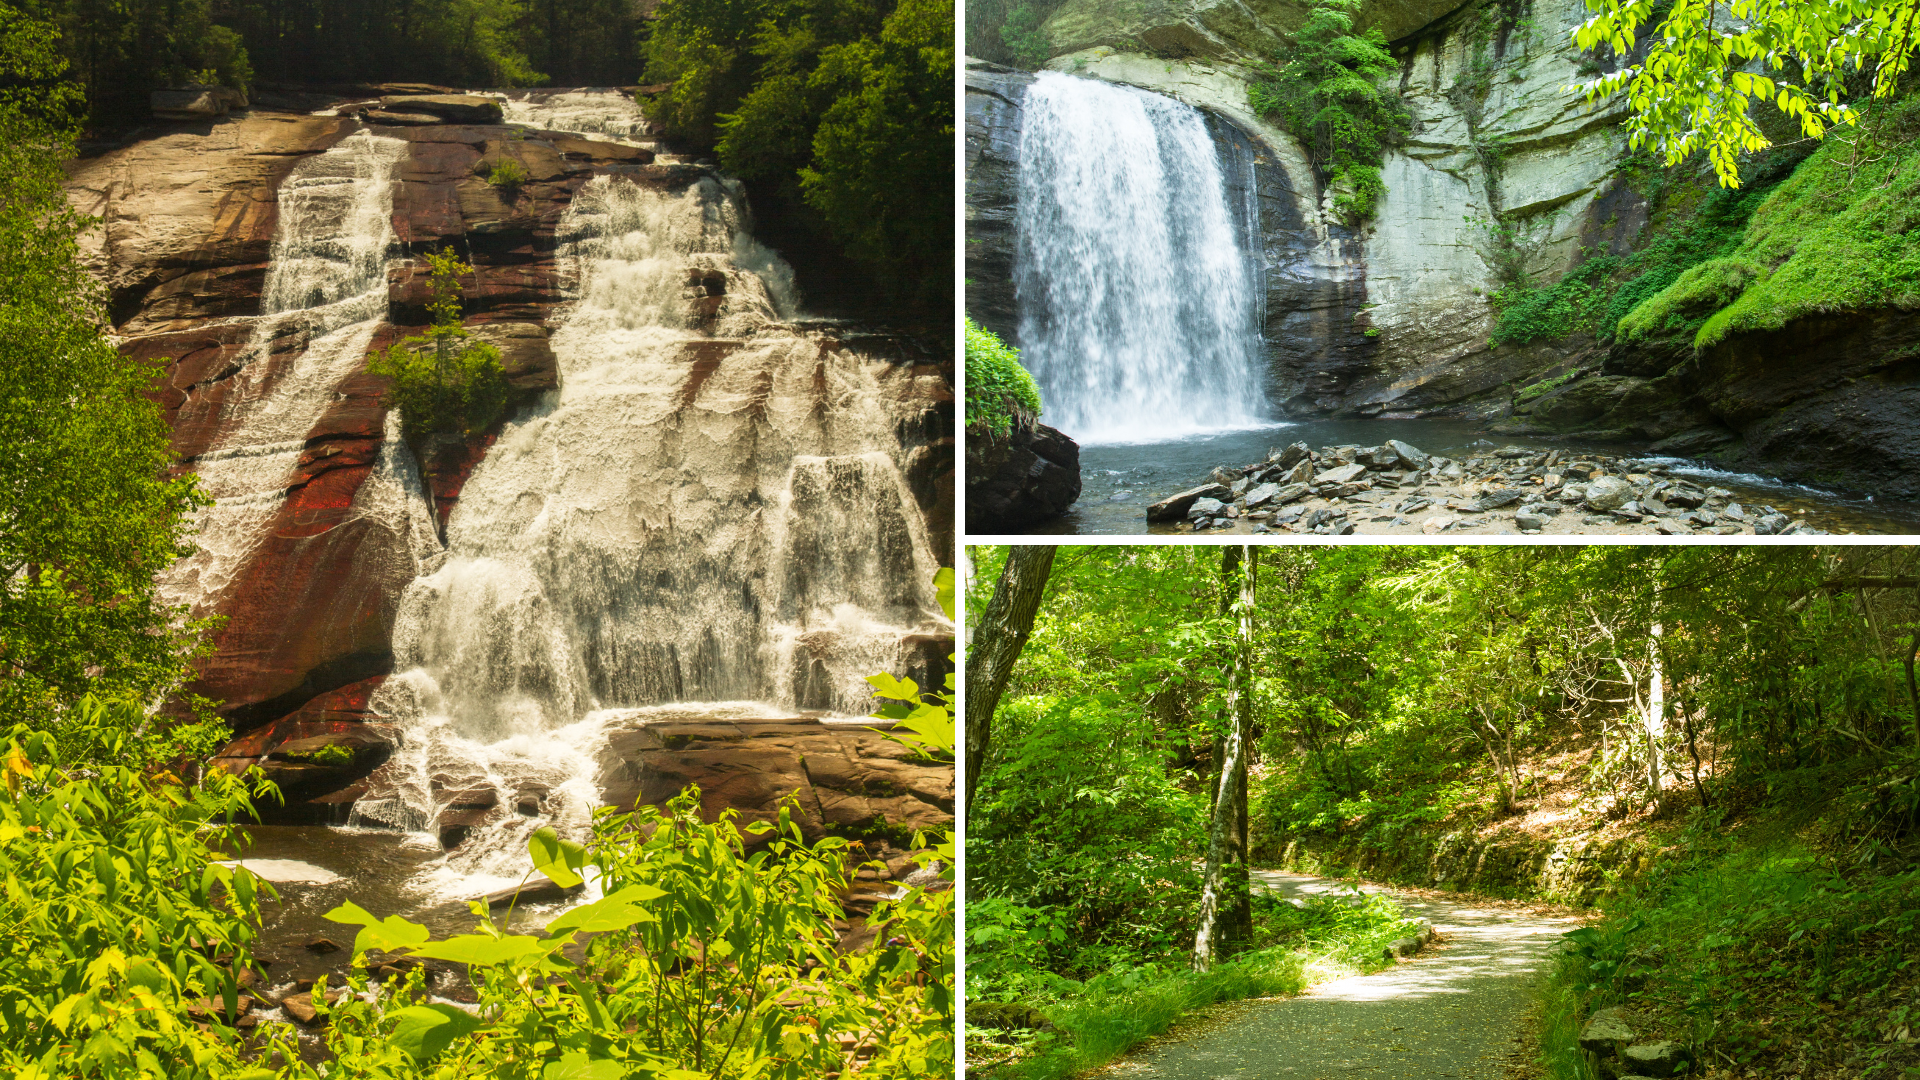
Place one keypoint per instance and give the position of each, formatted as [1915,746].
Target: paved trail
[1452,1012]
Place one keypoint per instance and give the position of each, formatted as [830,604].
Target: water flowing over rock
[1138,310]
[698,496]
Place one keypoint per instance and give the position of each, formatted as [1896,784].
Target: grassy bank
[1769,959]
[1035,1023]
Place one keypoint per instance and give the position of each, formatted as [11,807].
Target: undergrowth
[1043,1023]
[1759,959]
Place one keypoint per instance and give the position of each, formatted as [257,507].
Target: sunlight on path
[1452,1012]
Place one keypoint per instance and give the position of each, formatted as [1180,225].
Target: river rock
[1379,458]
[1399,947]
[1608,493]
[1771,524]
[1261,494]
[1175,507]
[1341,474]
[1656,1059]
[1293,454]
[1205,508]
[1534,522]
[1410,456]
[1498,497]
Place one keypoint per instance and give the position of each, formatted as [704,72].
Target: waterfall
[325,295]
[1138,308]
[707,518]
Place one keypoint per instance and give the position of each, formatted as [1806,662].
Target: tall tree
[1225,897]
[995,643]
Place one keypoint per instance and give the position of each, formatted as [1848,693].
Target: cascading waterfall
[325,295]
[705,519]
[604,115]
[1139,312]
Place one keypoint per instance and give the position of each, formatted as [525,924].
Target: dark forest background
[838,113]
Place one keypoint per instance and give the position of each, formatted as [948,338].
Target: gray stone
[1262,494]
[1608,1032]
[1342,474]
[1608,493]
[1205,508]
[452,108]
[1406,946]
[1656,1059]
[1291,456]
[1174,507]
[1379,458]
[1734,512]
[1223,474]
[1300,473]
[1491,500]
[1410,456]
[1771,525]
[1530,521]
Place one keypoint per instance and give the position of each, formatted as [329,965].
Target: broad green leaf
[885,685]
[616,911]
[556,858]
[943,589]
[390,934]
[577,1066]
[425,1030]
[481,950]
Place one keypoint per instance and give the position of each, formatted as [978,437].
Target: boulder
[1294,454]
[1406,946]
[1261,494]
[1607,1032]
[1174,507]
[447,108]
[1205,508]
[1656,1059]
[1497,498]
[1342,474]
[1410,456]
[1379,458]
[849,777]
[1015,483]
[1534,522]
[1608,493]
[195,103]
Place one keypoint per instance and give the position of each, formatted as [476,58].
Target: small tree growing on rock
[441,381]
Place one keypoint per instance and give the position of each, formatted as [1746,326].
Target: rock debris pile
[1616,1052]
[1336,490]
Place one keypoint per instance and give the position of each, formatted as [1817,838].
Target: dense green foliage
[704,962]
[1711,697]
[441,381]
[123,48]
[87,514]
[1326,89]
[1000,393]
[1693,89]
[119,918]
[843,108]
[1025,38]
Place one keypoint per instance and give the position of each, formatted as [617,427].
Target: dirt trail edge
[1451,1012]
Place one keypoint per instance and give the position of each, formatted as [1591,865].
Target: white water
[708,510]
[326,287]
[1139,314]
[601,114]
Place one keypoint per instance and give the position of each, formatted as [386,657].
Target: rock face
[1024,480]
[1391,319]
[190,219]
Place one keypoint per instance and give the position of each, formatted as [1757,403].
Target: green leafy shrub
[1325,89]
[1000,393]
[1695,295]
[1025,38]
[119,916]
[507,173]
[1572,305]
[334,755]
[704,961]
[439,380]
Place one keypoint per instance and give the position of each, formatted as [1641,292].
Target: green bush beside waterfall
[1000,393]
[440,380]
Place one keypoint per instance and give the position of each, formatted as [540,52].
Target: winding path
[1454,1011]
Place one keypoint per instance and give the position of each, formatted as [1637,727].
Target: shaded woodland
[1180,713]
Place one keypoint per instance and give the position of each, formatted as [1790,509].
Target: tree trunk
[1656,718]
[995,644]
[1225,898]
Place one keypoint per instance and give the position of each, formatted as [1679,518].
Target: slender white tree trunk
[1656,711]
[1223,892]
